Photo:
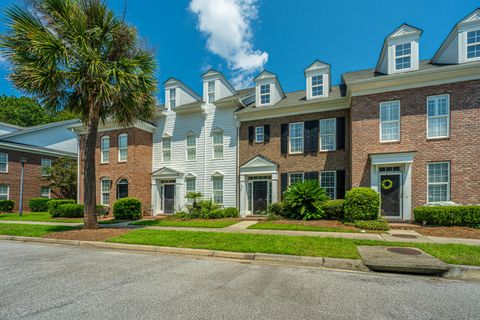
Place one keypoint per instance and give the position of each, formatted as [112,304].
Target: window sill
[124,161]
[295,153]
[390,142]
[103,163]
[438,138]
[325,151]
[4,172]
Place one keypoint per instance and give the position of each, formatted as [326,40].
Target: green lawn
[30,230]
[295,227]
[194,223]
[37,216]
[304,246]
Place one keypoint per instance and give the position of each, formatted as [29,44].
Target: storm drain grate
[406,251]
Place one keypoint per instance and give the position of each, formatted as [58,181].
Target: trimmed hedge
[380,225]
[39,204]
[7,205]
[54,204]
[231,213]
[361,204]
[127,209]
[71,210]
[462,216]
[334,209]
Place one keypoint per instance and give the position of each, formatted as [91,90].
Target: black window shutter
[340,184]
[266,133]
[251,129]
[311,175]
[306,136]
[284,138]
[284,182]
[341,133]
[314,136]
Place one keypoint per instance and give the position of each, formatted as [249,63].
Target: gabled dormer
[177,94]
[317,76]
[400,51]
[268,90]
[463,42]
[216,86]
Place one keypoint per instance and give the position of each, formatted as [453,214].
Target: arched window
[122,188]
[122,147]
[105,148]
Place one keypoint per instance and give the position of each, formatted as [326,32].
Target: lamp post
[23,160]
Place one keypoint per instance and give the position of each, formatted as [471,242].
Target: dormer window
[403,56]
[317,86]
[473,44]
[211,91]
[265,94]
[173,98]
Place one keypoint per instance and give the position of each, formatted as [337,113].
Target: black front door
[390,190]
[168,198]
[260,196]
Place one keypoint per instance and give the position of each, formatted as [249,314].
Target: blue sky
[242,37]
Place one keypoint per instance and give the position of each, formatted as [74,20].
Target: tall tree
[79,56]
[62,178]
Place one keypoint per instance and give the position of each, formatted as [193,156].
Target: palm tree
[79,56]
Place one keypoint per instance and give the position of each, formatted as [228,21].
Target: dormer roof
[266,75]
[316,66]
[214,74]
[172,82]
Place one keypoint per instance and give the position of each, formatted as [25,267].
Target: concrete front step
[401,260]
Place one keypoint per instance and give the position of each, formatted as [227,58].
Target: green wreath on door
[387,184]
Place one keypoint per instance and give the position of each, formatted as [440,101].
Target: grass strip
[36,216]
[30,230]
[297,227]
[194,223]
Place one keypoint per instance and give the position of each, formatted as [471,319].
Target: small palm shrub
[38,204]
[361,204]
[127,209]
[304,200]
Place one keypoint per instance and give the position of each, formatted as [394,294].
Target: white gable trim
[166,173]
[259,165]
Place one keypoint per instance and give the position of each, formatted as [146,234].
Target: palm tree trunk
[89,180]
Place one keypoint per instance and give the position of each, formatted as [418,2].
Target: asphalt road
[41,281]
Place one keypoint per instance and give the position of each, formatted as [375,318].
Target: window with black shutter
[340,133]
[251,130]
[340,184]
[311,175]
[284,182]
[284,138]
[266,137]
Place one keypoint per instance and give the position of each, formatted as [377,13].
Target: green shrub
[304,200]
[231,213]
[361,204]
[380,225]
[7,205]
[334,209]
[214,214]
[53,205]
[38,204]
[464,216]
[102,210]
[127,209]
[71,210]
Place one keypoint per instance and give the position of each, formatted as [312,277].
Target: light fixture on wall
[23,160]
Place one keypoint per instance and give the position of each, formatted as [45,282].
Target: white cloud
[227,25]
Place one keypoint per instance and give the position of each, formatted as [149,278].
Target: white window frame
[473,44]
[387,104]
[216,191]
[191,148]
[120,136]
[265,94]
[49,192]
[190,179]
[437,97]
[438,183]
[403,56]
[217,145]
[334,179]
[294,173]
[290,125]
[6,162]
[334,134]
[44,166]
[259,132]
[173,98]
[317,85]
[105,152]
[8,191]
[211,91]
[103,192]
[167,150]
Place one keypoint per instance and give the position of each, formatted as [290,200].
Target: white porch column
[243,195]
[274,187]
[179,194]
[407,192]
[155,198]
[374,180]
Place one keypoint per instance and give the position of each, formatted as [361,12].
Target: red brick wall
[136,169]
[462,149]
[33,179]
[320,161]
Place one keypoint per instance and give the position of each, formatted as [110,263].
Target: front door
[168,198]
[391,194]
[260,196]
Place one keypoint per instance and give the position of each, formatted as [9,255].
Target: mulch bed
[450,232]
[317,223]
[100,234]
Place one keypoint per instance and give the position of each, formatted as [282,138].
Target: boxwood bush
[463,216]
[127,209]
[38,204]
[54,204]
[7,205]
[231,213]
[71,210]
[334,209]
[361,204]
[378,225]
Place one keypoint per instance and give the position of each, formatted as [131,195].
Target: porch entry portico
[166,184]
[391,176]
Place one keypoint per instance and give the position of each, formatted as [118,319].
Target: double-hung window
[105,191]
[296,137]
[390,121]
[328,181]
[217,144]
[211,91]
[217,189]
[45,166]
[317,86]
[473,44]
[173,98]
[438,181]
[259,134]
[403,56]
[438,110]
[191,147]
[265,94]
[3,162]
[45,192]
[167,149]
[3,192]
[295,177]
[190,184]
[105,148]
[328,134]
[122,147]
